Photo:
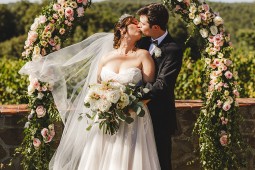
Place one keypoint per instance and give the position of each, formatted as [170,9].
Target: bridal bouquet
[111,103]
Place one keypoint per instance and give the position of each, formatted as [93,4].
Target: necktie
[155,42]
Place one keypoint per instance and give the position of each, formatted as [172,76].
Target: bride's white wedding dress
[131,148]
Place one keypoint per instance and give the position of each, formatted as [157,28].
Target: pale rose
[191,15]
[203,16]
[27,125]
[52,42]
[40,111]
[204,32]
[104,105]
[32,36]
[80,11]
[214,30]
[69,24]
[205,7]
[62,31]
[42,19]
[37,50]
[69,12]
[197,20]
[218,20]
[227,62]
[236,93]
[44,132]
[34,26]
[219,103]
[113,96]
[56,7]
[208,61]
[84,2]
[228,75]
[224,140]
[36,143]
[55,16]
[30,89]
[40,95]
[226,106]
[179,0]
[79,1]
[220,55]
[192,9]
[230,100]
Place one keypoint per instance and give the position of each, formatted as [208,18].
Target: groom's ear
[155,27]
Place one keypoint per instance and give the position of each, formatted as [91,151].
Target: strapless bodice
[130,75]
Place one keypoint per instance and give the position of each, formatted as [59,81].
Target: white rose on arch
[204,32]
[218,20]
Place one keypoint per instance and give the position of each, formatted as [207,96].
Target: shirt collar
[161,38]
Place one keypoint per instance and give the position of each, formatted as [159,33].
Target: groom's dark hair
[157,14]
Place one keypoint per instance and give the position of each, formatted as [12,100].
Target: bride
[96,59]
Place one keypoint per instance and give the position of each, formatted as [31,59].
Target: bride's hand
[145,101]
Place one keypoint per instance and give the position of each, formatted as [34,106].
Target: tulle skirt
[131,148]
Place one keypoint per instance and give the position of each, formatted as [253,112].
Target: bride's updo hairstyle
[122,24]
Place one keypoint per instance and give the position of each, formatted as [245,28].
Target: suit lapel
[160,60]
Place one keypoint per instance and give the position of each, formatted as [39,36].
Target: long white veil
[71,69]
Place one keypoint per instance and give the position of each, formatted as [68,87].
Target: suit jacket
[162,103]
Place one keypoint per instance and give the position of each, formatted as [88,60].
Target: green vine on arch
[221,145]
[220,142]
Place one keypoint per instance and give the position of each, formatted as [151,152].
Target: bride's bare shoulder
[143,53]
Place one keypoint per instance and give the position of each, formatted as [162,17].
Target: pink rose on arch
[236,93]
[40,111]
[56,7]
[177,7]
[44,132]
[219,103]
[226,106]
[69,12]
[224,140]
[80,11]
[36,143]
[62,31]
[227,62]
[84,2]
[42,19]
[205,7]
[228,75]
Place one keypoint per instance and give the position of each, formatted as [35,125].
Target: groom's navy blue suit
[162,103]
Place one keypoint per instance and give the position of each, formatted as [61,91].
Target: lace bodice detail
[130,75]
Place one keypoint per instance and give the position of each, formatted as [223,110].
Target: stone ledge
[180,104]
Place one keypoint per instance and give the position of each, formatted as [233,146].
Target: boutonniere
[157,52]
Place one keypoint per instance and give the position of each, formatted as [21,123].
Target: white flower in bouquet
[113,96]
[104,105]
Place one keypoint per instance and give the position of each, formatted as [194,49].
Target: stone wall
[183,145]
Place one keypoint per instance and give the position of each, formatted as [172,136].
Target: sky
[227,1]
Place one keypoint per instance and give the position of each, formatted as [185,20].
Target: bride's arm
[148,67]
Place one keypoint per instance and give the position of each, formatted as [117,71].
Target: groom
[168,60]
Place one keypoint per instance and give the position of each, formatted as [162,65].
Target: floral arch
[220,141]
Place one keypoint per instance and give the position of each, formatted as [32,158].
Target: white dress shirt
[160,39]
